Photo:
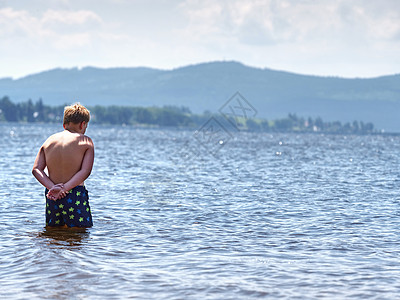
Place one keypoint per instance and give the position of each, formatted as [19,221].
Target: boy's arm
[38,170]
[84,172]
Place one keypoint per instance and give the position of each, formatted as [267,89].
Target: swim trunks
[73,210]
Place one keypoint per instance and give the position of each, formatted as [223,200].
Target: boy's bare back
[68,157]
[64,154]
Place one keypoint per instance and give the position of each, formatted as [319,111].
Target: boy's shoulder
[63,136]
[52,138]
[84,139]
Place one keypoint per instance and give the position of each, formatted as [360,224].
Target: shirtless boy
[68,156]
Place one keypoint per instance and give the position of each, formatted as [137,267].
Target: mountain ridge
[194,65]
[207,86]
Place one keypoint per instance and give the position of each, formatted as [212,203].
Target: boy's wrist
[65,189]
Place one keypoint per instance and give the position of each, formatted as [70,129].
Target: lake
[180,215]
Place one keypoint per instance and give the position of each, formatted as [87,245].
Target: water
[295,216]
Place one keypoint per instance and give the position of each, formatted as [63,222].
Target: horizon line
[192,65]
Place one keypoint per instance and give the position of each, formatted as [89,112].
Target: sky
[345,38]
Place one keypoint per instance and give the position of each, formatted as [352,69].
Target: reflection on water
[64,237]
[271,216]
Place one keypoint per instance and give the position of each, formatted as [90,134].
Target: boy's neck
[74,128]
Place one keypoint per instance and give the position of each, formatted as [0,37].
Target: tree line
[37,112]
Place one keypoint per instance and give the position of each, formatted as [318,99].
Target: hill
[208,86]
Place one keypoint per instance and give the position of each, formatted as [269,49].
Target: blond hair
[76,113]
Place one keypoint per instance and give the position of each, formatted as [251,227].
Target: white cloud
[16,23]
[79,17]
[271,21]
[58,29]
[308,36]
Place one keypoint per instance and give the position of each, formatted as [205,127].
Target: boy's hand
[57,192]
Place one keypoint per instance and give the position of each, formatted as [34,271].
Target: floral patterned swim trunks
[73,210]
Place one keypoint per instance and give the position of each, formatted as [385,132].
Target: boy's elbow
[35,173]
[87,173]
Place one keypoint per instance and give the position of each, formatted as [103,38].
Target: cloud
[79,17]
[273,22]
[308,36]
[15,23]
[55,28]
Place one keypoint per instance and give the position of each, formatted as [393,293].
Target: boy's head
[76,113]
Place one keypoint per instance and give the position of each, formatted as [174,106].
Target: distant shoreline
[180,117]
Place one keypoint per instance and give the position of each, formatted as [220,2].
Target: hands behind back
[57,192]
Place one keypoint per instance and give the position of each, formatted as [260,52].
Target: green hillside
[207,86]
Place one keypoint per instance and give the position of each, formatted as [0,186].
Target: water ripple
[317,220]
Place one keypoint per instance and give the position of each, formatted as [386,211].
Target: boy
[68,156]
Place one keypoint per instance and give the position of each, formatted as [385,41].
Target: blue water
[288,216]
